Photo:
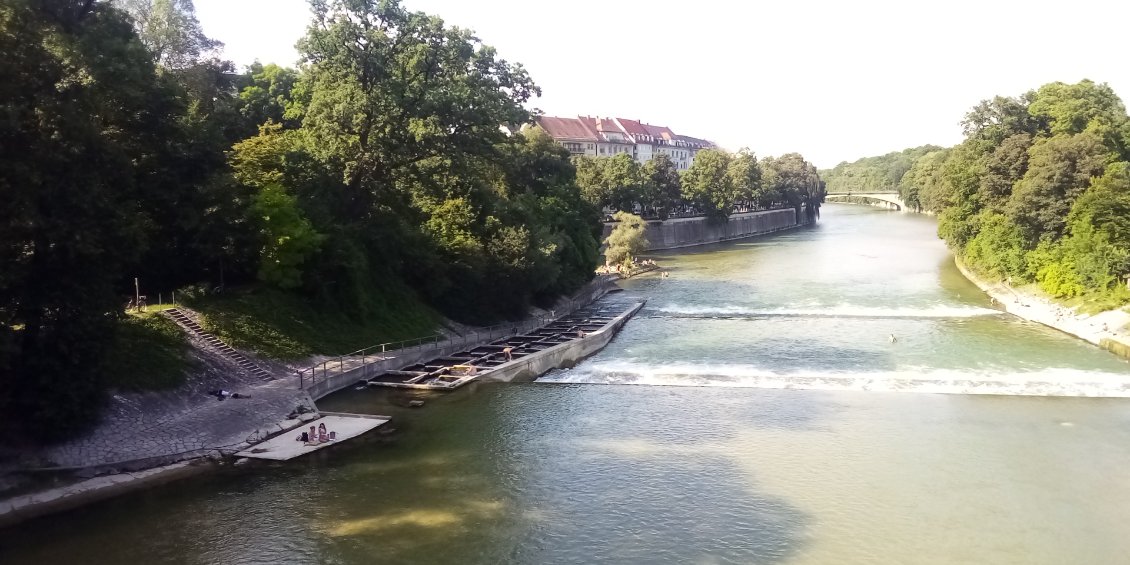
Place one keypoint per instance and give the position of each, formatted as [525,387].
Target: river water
[755,411]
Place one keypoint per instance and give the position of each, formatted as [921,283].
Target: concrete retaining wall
[559,356]
[587,294]
[686,232]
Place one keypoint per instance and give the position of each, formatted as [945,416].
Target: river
[755,411]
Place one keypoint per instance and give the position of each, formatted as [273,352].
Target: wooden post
[136,294]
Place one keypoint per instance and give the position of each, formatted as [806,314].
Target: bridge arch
[882,199]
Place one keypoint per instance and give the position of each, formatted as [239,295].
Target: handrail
[320,372]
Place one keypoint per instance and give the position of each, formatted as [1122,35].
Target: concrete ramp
[285,447]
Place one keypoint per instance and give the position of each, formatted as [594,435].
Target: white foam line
[841,310]
[1044,382]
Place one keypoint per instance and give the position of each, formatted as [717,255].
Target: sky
[832,80]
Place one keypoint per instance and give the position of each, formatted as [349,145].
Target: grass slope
[149,352]
[286,326]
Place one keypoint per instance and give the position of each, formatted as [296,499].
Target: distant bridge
[885,199]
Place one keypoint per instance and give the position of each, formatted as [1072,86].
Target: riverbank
[159,436]
[1105,329]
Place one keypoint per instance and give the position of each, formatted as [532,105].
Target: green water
[668,447]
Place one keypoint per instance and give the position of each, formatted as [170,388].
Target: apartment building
[608,137]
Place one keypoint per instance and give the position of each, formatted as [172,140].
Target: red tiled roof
[660,132]
[603,126]
[632,127]
[567,128]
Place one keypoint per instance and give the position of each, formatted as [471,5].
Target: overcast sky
[834,80]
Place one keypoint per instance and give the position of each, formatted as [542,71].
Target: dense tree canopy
[376,171]
[1038,191]
[715,185]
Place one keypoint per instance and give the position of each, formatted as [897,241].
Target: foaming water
[831,311]
[1050,381]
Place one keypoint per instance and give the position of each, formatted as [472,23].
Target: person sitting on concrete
[323,436]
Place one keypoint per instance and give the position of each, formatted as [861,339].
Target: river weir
[754,410]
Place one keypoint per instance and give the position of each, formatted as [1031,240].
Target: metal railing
[320,372]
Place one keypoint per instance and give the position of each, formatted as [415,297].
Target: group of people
[224,394]
[316,435]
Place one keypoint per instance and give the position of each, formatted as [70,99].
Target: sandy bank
[1107,329]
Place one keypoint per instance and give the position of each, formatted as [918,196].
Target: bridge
[883,198]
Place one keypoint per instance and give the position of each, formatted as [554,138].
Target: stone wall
[323,387]
[687,232]
[561,356]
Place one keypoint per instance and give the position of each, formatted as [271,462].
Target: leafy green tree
[1069,109]
[1059,170]
[745,174]
[665,189]
[999,118]
[268,95]
[289,240]
[170,30]
[391,88]
[791,180]
[627,240]
[881,173]
[709,184]
[75,90]
[1003,168]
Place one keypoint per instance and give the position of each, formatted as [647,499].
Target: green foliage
[1059,170]
[128,150]
[709,185]
[627,240]
[288,238]
[869,174]
[269,95]
[998,248]
[618,182]
[664,187]
[149,352]
[77,92]
[1039,190]
[282,325]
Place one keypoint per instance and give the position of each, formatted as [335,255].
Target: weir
[561,343]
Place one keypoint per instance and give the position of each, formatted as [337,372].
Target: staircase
[190,325]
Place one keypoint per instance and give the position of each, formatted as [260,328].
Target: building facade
[608,137]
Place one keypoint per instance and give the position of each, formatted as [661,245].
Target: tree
[664,185]
[745,174]
[1069,109]
[627,240]
[268,95]
[77,91]
[391,88]
[709,184]
[170,30]
[1059,170]
[789,179]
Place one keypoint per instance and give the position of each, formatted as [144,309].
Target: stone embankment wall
[322,388]
[560,356]
[687,232]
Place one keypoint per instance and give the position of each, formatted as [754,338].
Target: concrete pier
[285,447]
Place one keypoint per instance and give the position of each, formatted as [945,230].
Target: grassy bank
[149,353]
[286,326]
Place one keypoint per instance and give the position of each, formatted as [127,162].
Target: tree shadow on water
[680,508]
